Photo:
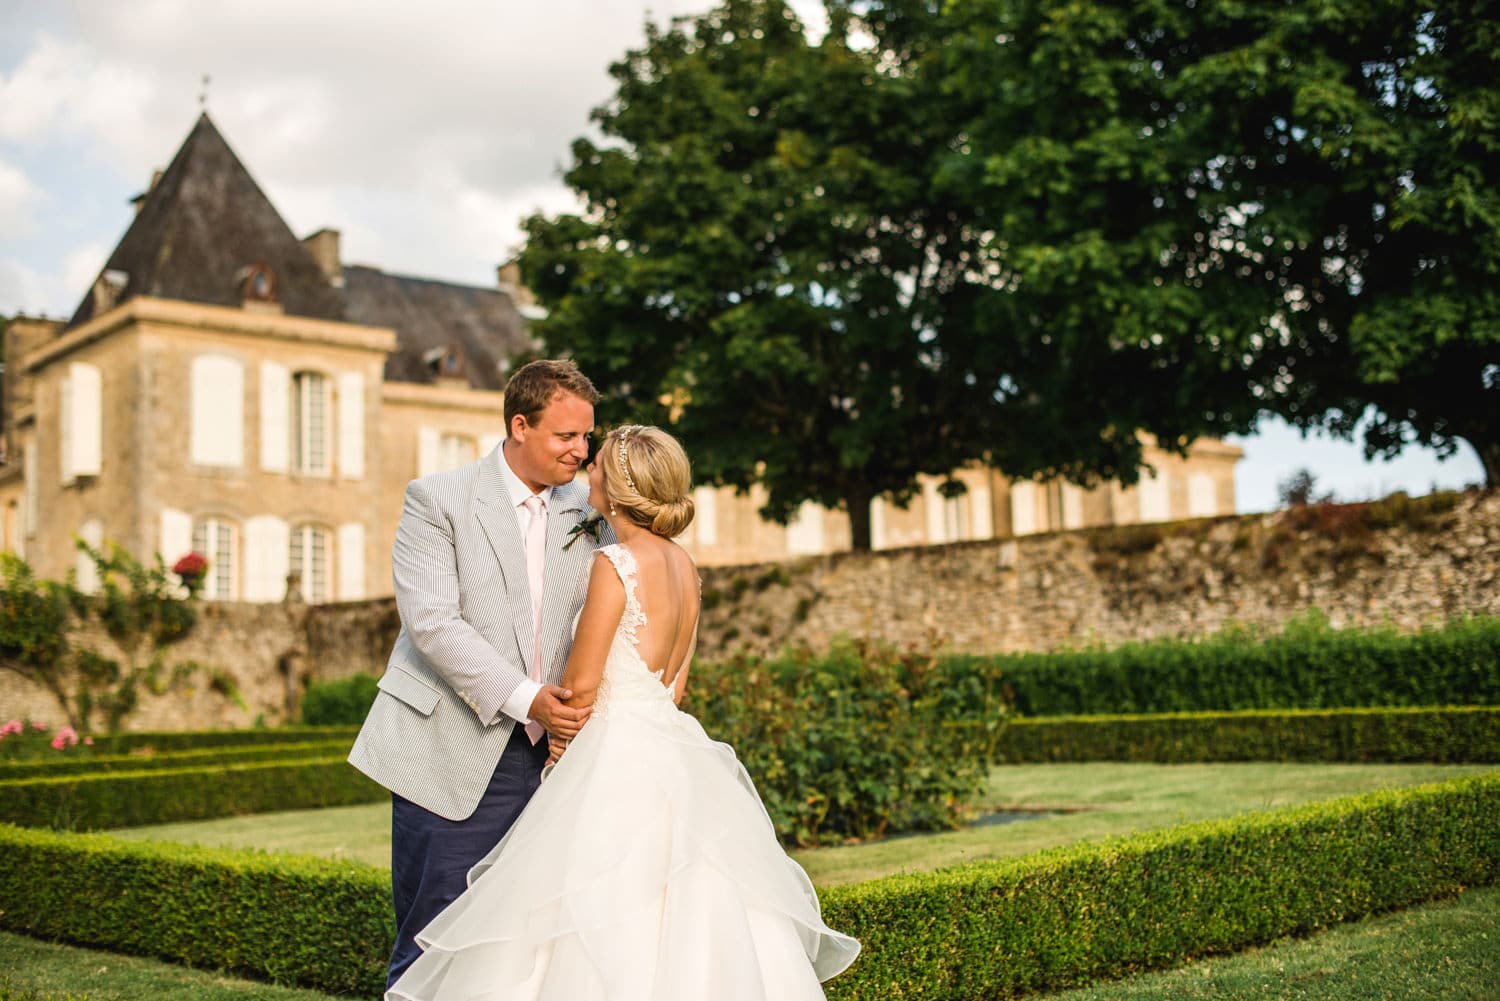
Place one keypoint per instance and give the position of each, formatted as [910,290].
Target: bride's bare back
[667,590]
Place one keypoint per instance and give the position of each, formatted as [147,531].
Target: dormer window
[257,283]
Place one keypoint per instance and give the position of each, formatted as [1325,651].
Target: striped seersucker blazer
[436,732]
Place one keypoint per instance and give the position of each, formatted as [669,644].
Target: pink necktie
[536,555]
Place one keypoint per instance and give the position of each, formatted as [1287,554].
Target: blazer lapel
[503,529]
[560,575]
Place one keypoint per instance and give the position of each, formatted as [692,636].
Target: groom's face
[550,452]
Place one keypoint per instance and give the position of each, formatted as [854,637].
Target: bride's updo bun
[648,479]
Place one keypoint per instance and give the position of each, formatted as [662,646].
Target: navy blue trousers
[431,857]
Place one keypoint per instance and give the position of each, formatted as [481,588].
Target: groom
[489,577]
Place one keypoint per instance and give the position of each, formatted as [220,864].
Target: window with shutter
[267,559]
[275,417]
[351,553]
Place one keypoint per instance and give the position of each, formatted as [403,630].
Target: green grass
[1444,951]
[42,968]
[1109,799]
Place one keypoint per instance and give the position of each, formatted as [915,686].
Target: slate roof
[431,315]
[201,225]
[206,221]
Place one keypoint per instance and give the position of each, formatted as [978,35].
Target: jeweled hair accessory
[625,432]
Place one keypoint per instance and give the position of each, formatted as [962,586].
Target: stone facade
[1040,592]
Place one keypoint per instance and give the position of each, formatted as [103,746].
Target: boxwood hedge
[68,764]
[975,932]
[1444,735]
[129,799]
[1307,666]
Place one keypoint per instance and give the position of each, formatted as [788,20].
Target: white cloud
[17,196]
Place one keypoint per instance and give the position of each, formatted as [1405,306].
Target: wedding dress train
[645,868]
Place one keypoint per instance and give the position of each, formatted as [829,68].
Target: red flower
[191,565]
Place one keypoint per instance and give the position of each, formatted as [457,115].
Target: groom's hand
[560,720]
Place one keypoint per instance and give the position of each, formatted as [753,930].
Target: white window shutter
[981,514]
[934,506]
[487,443]
[429,444]
[351,555]
[1023,507]
[92,532]
[877,523]
[804,533]
[217,433]
[1203,499]
[176,535]
[705,516]
[267,546]
[275,419]
[85,391]
[65,428]
[29,471]
[1072,506]
[351,425]
[1155,498]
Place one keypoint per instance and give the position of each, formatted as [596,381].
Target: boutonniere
[592,526]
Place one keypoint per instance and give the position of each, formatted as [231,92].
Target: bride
[645,867]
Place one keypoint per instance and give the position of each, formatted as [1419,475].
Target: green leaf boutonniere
[592,526]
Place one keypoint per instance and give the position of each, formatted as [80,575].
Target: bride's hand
[555,749]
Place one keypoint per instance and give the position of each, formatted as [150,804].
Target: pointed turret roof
[200,229]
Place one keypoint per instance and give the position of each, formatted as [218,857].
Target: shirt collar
[517,490]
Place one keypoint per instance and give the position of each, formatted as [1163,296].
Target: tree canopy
[1245,208]
[1021,232]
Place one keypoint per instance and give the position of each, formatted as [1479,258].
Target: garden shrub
[1444,735]
[855,743]
[36,743]
[971,933]
[1307,666]
[150,760]
[131,799]
[345,702]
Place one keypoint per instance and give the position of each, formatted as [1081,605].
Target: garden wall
[1408,563]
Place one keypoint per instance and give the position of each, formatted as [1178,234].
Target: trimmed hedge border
[1446,735]
[1307,666]
[33,746]
[133,799]
[971,933]
[236,755]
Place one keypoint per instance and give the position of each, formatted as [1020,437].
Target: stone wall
[1404,563]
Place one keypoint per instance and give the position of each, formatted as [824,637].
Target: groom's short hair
[538,383]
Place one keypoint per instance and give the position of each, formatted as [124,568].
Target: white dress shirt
[518,706]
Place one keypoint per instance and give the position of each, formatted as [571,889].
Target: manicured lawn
[1107,799]
[1444,951]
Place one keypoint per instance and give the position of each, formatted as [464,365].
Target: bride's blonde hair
[647,477]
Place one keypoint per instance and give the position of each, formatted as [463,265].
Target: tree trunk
[858,503]
[1489,457]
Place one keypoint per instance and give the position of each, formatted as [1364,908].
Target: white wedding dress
[645,868]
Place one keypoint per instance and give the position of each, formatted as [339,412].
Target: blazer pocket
[409,689]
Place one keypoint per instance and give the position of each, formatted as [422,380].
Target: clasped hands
[561,721]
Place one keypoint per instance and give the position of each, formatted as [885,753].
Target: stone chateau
[228,388]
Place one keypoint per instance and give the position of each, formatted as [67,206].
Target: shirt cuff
[518,706]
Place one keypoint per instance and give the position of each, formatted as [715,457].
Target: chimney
[324,246]
[509,280]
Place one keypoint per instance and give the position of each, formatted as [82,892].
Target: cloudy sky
[423,131]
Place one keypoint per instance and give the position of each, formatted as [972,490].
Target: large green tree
[764,266]
[1205,210]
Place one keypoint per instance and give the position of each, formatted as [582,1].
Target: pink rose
[39,727]
[88,742]
[14,726]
